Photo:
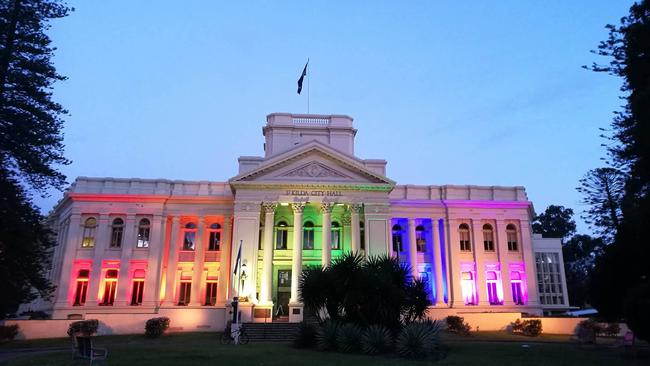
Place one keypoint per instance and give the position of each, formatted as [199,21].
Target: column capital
[176,219]
[326,207]
[298,207]
[356,208]
[269,207]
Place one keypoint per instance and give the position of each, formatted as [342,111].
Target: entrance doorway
[281,310]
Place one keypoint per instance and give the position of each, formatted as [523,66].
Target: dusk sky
[485,93]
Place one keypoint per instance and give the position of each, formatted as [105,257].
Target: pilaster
[172,262]
[326,242]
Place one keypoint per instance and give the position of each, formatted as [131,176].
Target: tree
[555,222]
[580,254]
[622,273]
[31,145]
[603,190]
[378,290]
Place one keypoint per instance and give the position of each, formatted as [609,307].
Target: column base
[263,312]
[296,311]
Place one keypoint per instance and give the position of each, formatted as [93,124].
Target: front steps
[271,332]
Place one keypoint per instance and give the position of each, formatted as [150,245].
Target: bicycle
[227,336]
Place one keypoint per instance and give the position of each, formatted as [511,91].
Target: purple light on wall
[443,259]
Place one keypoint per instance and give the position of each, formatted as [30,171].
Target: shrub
[326,336]
[417,339]
[8,332]
[457,324]
[83,328]
[611,330]
[587,330]
[305,335]
[155,327]
[376,339]
[530,327]
[348,337]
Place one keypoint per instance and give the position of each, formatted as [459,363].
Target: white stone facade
[140,246]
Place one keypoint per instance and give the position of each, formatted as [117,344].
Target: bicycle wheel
[243,338]
[225,338]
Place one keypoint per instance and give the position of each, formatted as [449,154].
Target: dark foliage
[417,339]
[555,222]
[457,324]
[587,330]
[305,335]
[31,146]
[623,268]
[378,290]
[376,339]
[83,328]
[8,332]
[603,190]
[155,327]
[326,336]
[528,327]
[580,254]
[348,338]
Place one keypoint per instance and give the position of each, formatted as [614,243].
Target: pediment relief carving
[315,170]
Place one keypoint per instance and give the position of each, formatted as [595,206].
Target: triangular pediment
[313,162]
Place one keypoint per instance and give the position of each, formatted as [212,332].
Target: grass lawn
[204,348]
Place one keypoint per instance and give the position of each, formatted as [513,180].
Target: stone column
[326,241]
[123,285]
[266,295]
[413,254]
[199,259]
[172,262]
[479,253]
[437,261]
[296,264]
[529,261]
[455,295]
[504,263]
[102,237]
[153,273]
[355,209]
[223,286]
[65,287]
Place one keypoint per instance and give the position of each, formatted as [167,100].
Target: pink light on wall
[76,274]
[468,283]
[518,283]
[494,283]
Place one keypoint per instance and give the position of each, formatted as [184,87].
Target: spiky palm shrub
[326,336]
[417,340]
[376,339]
[348,338]
[305,335]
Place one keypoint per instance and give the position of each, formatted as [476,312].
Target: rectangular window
[143,237]
[81,292]
[110,285]
[420,242]
[138,290]
[512,241]
[189,240]
[493,297]
[517,296]
[184,293]
[336,239]
[116,237]
[465,244]
[210,293]
[488,241]
[284,278]
[549,281]
[281,239]
[308,239]
[215,241]
[397,242]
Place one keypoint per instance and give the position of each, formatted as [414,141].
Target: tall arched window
[336,235]
[215,237]
[517,287]
[488,238]
[144,229]
[110,285]
[511,233]
[82,287]
[281,234]
[397,238]
[420,239]
[88,239]
[468,288]
[117,231]
[189,236]
[492,292]
[463,233]
[308,235]
[137,289]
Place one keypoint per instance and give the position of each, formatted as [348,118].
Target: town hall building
[132,249]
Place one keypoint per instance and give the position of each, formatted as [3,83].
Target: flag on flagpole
[302,77]
[238,260]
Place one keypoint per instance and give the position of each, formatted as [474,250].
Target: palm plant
[376,339]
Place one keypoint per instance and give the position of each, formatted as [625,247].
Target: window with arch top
[511,233]
[397,238]
[189,236]
[88,238]
[308,235]
[336,235]
[281,235]
[420,239]
[144,230]
[463,234]
[214,243]
[488,238]
[117,232]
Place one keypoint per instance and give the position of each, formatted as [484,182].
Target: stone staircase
[271,332]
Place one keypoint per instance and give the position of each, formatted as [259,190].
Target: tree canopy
[555,222]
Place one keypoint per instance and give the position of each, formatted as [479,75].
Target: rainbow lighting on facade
[131,248]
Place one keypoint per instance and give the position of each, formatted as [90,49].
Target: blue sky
[448,92]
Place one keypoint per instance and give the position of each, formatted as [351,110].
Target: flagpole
[308,72]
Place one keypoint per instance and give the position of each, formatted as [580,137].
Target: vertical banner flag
[302,77]
[238,260]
